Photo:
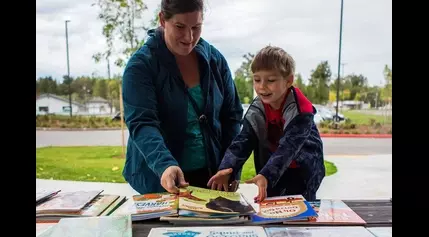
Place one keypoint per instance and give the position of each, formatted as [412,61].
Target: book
[283,208]
[331,212]
[190,202]
[43,195]
[208,231]
[380,231]
[149,206]
[94,208]
[213,203]
[101,226]
[67,202]
[116,204]
[348,231]
[42,227]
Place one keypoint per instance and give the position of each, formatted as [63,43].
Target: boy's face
[271,87]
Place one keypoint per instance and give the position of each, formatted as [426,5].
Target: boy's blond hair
[274,58]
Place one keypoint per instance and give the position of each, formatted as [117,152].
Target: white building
[98,106]
[53,104]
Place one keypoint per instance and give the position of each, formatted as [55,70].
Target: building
[98,106]
[54,104]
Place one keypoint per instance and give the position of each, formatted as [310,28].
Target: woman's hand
[262,183]
[171,177]
[220,180]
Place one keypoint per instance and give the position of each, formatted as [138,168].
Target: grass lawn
[101,164]
[360,118]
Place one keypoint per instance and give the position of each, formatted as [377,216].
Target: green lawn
[101,164]
[360,118]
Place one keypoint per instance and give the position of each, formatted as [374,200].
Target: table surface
[376,213]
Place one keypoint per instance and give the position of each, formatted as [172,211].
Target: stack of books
[51,206]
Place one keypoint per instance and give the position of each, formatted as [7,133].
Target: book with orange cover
[283,208]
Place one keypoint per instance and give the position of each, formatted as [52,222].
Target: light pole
[339,61]
[68,66]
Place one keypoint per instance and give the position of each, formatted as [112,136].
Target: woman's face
[182,31]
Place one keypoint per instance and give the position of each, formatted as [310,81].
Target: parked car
[117,117]
[327,114]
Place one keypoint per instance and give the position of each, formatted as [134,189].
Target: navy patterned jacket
[300,142]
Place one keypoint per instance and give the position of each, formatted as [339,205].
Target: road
[332,146]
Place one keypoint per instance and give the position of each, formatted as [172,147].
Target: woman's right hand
[172,179]
[220,180]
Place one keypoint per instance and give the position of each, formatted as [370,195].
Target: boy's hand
[262,183]
[220,180]
[171,177]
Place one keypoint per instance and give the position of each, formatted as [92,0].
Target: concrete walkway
[359,177]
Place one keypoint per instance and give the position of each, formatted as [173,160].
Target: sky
[309,30]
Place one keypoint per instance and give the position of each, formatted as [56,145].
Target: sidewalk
[361,177]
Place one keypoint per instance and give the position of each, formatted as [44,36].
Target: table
[376,213]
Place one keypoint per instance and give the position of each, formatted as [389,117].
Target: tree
[387,90]
[243,79]
[122,18]
[319,81]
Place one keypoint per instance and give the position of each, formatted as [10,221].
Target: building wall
[99,108]
[54,106]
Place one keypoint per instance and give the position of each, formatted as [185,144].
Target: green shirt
[194,153]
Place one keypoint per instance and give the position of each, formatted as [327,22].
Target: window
[66,108]
[44,109]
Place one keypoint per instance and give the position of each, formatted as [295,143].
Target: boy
[279,128]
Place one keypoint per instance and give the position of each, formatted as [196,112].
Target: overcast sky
[307,29]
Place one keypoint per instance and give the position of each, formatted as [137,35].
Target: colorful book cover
[149,206]
[282,208]
[208,231]
[213,201]
[68,201]
[344,231]
[331,212]
[380,231]
[101,226]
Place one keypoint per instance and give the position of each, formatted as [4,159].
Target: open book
[191,202]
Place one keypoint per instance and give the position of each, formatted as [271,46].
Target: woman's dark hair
[172,7]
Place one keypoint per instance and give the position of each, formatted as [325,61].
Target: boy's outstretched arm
[240,149]
[294,137]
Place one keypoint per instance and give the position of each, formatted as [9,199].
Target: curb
[357,135]
[322,134]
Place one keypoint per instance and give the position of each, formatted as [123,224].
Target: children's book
[149,206]
[67,202]
[344,231]
[94,208]
[283,208]
[331,212]
[208,231]
[101,226]
[380,231]
[190,202]
[212,203]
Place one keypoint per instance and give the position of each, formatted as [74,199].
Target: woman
[180,103]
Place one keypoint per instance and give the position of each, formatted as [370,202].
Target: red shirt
[274,125]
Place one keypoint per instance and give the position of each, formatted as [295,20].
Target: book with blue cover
[283,208]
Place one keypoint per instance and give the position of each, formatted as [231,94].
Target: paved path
[333,146]
[364,177]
